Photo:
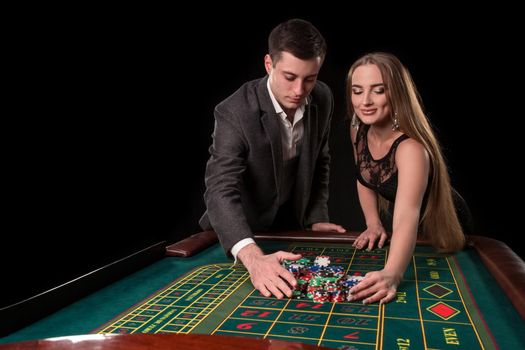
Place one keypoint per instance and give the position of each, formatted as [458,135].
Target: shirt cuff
[239,245]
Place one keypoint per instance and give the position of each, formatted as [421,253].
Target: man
[269,163]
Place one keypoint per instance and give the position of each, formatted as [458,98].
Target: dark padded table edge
[506,266]
[199,241]
[306,236]
[192,244]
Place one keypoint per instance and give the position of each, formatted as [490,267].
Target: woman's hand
[378,286]
[368,238]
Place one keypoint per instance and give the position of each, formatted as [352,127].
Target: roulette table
[474,299]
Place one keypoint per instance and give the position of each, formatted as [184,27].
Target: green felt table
[444,302]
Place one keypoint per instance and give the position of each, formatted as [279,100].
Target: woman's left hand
[368,238]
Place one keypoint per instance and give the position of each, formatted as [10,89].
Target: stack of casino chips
[320,281]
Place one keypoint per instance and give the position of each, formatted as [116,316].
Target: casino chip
[322,260]
[320,281]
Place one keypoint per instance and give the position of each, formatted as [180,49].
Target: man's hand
[327,226]
[267,274]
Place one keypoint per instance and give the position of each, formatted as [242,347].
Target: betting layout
[429,311]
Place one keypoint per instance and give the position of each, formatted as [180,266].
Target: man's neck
[290,114]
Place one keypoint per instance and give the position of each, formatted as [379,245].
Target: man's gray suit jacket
[243,173]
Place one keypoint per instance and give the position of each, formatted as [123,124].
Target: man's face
[292,79]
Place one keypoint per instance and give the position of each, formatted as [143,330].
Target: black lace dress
[380,175]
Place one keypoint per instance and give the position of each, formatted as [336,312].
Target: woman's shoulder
[410,149]
[408,144]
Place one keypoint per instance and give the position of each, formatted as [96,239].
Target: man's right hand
[267,274]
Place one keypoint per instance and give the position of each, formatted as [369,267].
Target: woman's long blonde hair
[439,221]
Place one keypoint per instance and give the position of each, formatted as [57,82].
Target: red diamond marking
[443,310]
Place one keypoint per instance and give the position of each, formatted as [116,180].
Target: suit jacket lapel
[306,159]
[273,133]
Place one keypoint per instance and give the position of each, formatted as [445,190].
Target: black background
[112,116]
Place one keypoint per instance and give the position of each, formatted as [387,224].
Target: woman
[400,163]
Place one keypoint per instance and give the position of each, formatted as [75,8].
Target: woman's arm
[368,201]
[413,168]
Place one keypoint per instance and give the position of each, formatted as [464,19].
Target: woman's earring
[355,121]
[395,123]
